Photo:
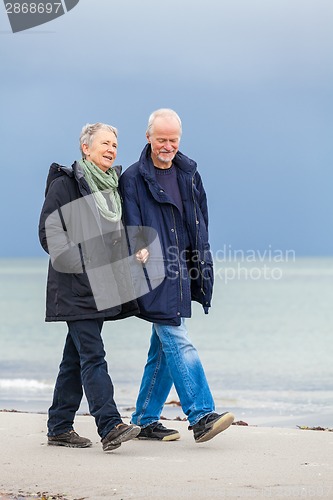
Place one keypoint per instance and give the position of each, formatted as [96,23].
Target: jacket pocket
[202,286]
[80,285]
[207,280]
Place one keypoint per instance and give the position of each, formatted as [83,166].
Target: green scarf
[103,181]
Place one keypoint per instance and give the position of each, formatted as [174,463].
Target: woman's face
[103,149]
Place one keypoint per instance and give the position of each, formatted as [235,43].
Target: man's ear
[148,138]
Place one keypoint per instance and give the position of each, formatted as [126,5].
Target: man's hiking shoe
[119,434]
[70,439]
[158,432]
[210,425]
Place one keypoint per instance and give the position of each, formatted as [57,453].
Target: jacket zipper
[195,215]
[196,234]
[179,266]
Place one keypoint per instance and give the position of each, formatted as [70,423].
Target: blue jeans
[172,359]
[83,364]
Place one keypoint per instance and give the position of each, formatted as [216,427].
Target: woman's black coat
[69,209]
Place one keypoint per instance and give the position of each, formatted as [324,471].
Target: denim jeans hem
[200,417]
[53,434]
[147,425]
[109,429]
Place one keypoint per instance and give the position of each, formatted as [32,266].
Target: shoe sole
[220,425]
[69,445]
[171,437]
[122,438]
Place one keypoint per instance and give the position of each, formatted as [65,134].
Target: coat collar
[75,171]
[146,167]
[186,168]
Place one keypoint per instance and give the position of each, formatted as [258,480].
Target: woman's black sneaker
[70,439]
[158,432]
[210,425]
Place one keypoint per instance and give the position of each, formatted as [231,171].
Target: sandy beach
[242,462]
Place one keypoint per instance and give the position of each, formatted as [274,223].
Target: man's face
[103,149]
[164,139]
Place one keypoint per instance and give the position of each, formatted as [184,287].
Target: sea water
[266,344]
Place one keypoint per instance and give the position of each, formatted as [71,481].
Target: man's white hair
[164,113]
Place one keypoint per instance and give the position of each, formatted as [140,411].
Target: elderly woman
[80,227]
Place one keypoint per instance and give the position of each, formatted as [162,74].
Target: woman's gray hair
[165,113]
[90,129]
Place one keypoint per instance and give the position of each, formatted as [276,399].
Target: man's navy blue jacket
[189,275]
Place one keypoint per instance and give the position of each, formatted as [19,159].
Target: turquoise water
[266,345]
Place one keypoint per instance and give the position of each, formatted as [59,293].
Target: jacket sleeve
[202,198]
[53,235]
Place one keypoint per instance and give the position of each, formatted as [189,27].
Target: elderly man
[164,191]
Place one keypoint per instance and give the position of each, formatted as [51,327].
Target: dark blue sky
[251,79]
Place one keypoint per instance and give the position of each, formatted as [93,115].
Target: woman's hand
[142,255]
